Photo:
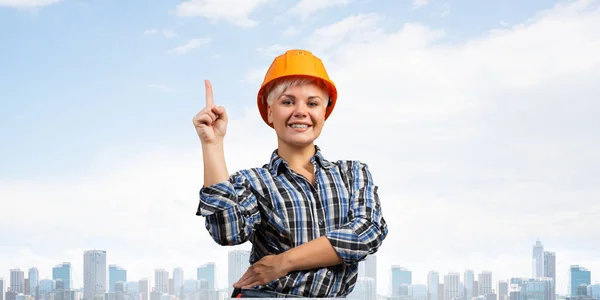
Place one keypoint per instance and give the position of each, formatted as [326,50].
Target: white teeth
[299,126]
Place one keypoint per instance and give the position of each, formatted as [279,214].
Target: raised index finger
[209,93]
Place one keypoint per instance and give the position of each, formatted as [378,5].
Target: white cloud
[28,3]
[190,45]
[478,148]
[233,11]
[361,27]
[165,32]
[305,8]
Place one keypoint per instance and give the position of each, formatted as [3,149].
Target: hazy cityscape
[110,282]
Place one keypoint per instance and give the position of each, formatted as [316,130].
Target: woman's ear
[269,114]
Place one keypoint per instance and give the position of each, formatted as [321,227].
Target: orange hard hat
[296,63]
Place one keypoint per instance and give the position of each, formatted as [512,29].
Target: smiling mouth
[300,126]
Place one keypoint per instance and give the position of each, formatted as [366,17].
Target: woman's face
[298,114]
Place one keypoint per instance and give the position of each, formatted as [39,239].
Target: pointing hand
[210,122]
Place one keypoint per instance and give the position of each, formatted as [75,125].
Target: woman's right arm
[228,203]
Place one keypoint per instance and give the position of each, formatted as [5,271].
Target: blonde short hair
[277,87]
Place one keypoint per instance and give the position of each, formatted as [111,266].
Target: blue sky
[474,113]
[75,74]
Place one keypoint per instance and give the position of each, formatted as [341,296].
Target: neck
[296,157]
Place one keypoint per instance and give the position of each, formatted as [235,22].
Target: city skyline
[374,269]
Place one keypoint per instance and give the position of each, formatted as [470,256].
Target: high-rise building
[400,280]
[2,288]
[143,288]
[364,289]
[594,291]
[417,292]
[47,286]
[94,274]
[161,281]
[34,282]
[132,289]
[537,260]
[452,286]
[469,277]
[208,273]
[368,269]
[63,273]
[550,269]
[502,290]
[537,288]
[177,281]
[116,274]
[484,283]
[433,281]
[238,263]
[578,275]
[17,281]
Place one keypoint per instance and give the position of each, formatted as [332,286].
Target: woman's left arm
[360,236]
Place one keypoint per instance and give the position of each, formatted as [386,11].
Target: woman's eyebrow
[294,97]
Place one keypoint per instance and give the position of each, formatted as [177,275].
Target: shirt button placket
[319,209]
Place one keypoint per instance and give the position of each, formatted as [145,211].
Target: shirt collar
[277,163]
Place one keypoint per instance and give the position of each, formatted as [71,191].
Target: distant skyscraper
[484,282]
[550,269]
[417,292]
[34,281]
[452,286]
[594,291]
[116,274]
[368,269]
[502,290]
[537,260]
[364,289]
[143,287]
[47,286]
[401,277]
[578,275]
[132,289]
[2,288]
[238,263]
[433,281]
[537,288]
[161,281]
[63,272]
[94,274]
[177,281]
[469,277]
[17,281]
[208,273]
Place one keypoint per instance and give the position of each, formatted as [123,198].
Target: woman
[310,220]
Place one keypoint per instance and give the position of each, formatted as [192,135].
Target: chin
[298,142]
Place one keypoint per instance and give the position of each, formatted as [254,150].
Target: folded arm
[230,208]
[360,236]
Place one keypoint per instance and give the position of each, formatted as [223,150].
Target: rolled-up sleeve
[366,229]
[230,209]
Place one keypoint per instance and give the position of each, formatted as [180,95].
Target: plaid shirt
[277,209]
